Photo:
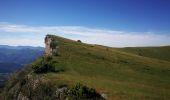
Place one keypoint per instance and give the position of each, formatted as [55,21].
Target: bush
[79,92]
[44,66]
[79,41]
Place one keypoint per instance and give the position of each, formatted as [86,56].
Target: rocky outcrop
[61,93]
[22,97]
[51,45]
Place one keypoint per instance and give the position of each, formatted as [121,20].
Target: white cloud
[21,42]
[89,35]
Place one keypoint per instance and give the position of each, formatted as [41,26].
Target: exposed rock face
[22,97]
[51,45]
[61,93]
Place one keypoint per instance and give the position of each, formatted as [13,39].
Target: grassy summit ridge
[119,73]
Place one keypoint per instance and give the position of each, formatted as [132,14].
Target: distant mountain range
[14,57]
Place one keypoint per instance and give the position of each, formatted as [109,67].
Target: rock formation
[51,45]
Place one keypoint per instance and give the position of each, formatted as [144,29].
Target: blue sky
[116,23]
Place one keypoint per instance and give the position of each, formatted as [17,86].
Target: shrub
[79,41]
[79,92]
[46,65]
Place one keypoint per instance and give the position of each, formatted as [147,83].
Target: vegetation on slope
[115,73]
[161,53]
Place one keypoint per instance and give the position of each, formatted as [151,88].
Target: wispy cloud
[89,35]
[21,42]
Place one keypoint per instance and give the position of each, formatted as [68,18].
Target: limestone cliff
[51,45]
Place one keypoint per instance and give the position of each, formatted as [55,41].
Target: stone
[49,43]
[61,93]
[104,95]
[22,97]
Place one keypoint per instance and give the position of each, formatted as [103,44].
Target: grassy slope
[161,53]
[121,73]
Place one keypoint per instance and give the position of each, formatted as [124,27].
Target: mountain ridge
[21,47]
[115,73]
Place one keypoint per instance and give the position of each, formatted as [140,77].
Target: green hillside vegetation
[118,73]
[161,53]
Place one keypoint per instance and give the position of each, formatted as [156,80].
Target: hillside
[161,53]
[115,73]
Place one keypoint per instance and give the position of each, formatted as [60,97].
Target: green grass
[161,53]
[122,73]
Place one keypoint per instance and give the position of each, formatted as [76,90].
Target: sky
[115,23]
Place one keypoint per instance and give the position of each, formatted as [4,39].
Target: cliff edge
[51,45]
